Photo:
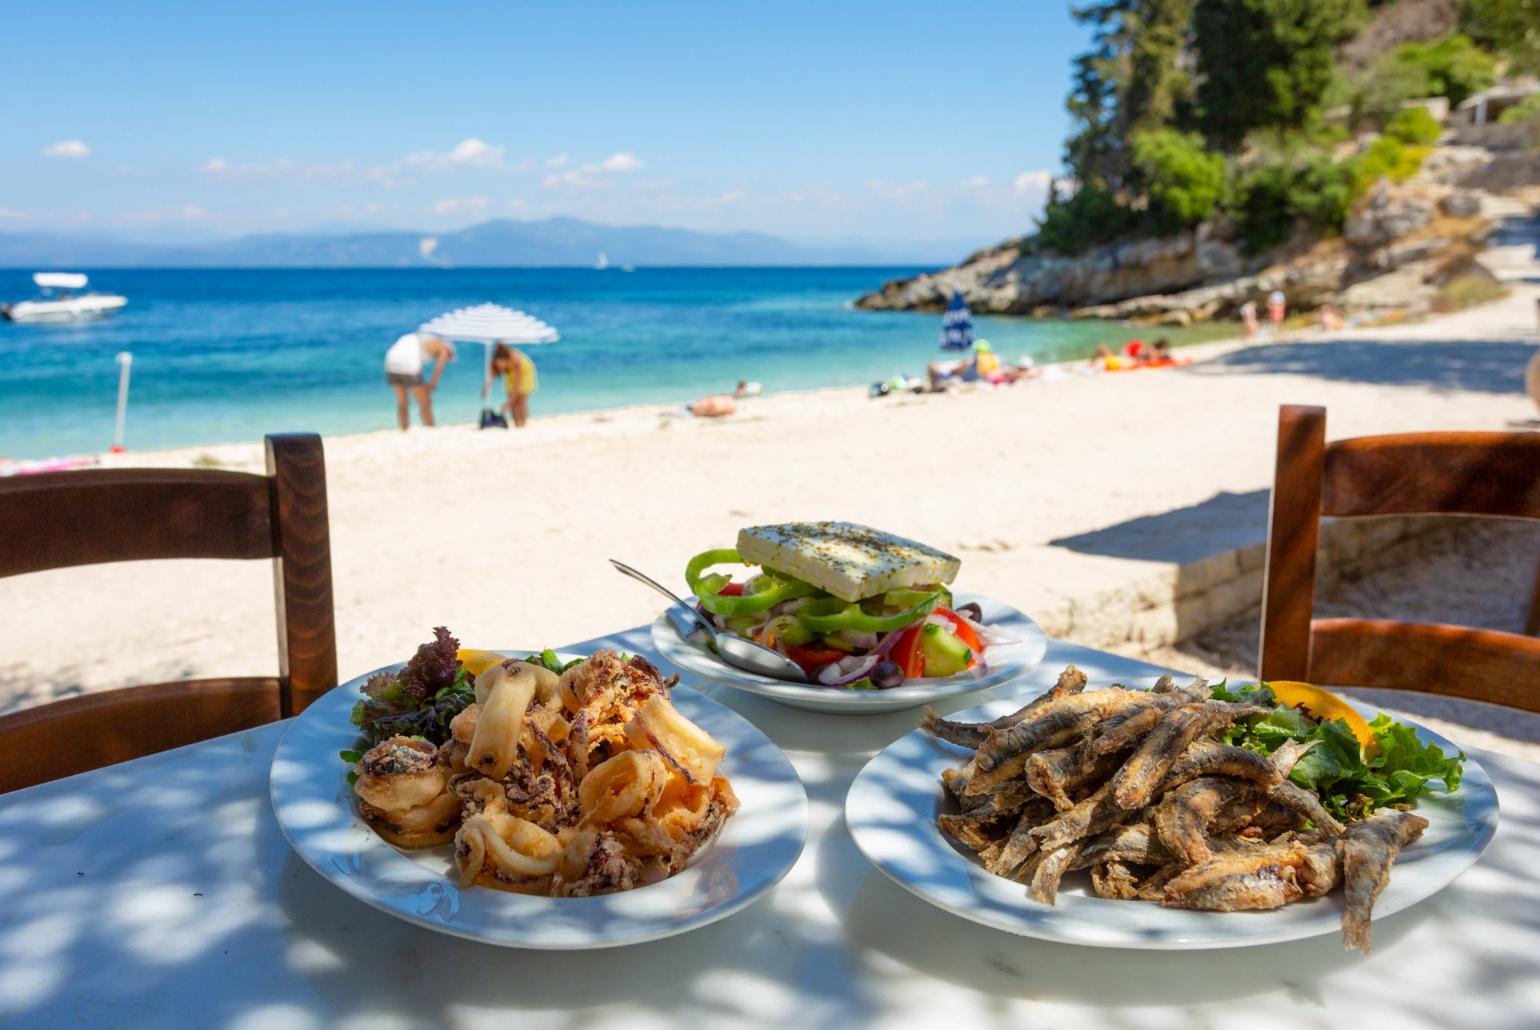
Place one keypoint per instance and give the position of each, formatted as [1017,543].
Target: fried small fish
[1140,777]
[1255,878]
[1368,849]
[971,734]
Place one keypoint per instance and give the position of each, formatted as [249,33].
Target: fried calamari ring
[495,743]
[684,745]
[498,848]
[401,773]
[625,785]
[432,823]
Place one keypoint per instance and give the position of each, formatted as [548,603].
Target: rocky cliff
[1396,249]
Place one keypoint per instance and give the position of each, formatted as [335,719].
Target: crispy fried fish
[1003,753]
[1368,849]
[1140,777]
[972,734]
[1247,879]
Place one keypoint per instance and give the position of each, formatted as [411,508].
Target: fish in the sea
[1368,849]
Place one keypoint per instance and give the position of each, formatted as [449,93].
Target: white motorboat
[61,302]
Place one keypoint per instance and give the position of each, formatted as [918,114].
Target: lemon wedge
[477,661]
[1323,704]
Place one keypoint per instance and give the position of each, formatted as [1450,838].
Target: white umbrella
[488,324]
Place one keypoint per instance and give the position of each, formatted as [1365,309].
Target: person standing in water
[517,372]
[404,364]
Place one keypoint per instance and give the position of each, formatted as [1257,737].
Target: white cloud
[468,153]
[455,205]
[70,149]
[215,166]
[622,162]
[194,211]
[898,192]
[732,197]
[1033,182]
[978,182]
[558,161]
[8,215]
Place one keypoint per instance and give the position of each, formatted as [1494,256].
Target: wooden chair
[1493,474]
[62,519]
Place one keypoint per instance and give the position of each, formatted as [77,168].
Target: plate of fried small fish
[1119,817]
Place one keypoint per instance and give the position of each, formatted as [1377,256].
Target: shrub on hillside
[1415,125]
[1387,157]
[1451,66]
[1287,189]
[1089,216]
[1183,180]
[1526,110]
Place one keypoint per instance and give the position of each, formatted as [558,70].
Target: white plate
[1002,663]
[757,846]
[891,811]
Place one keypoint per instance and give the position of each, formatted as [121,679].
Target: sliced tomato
[731,590]
[812,657]
[906,653]
[961,630]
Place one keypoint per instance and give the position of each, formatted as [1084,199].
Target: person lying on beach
[517,372]
[1109,360]
[404,363]
[979,365]
[715,406]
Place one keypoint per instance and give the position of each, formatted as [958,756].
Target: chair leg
[1532,625]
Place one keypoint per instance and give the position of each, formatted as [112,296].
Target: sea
[227,355]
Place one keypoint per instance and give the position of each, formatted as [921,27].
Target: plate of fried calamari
[1175,816]
[535,799]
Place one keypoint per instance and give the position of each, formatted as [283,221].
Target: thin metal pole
[125,363]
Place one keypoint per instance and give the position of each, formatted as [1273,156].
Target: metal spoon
[733,649]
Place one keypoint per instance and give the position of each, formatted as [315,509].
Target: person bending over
[517,372]
[404,363]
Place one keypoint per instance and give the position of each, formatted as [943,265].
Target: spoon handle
[666,592]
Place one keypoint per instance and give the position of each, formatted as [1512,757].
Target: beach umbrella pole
[125,363]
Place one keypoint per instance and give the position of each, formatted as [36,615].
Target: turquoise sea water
[227,355]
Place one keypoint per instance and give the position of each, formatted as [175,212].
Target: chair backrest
[63,519]
[1492,474]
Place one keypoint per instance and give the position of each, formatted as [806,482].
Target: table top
[161,892]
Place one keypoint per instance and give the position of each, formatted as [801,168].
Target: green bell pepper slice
[832,615]
[769,590]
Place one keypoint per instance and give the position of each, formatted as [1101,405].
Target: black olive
[971,610]
[885,675]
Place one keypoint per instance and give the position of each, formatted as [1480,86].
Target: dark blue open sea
[227,355]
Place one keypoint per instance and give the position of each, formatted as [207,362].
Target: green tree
[1509,27]
[1266,63]
[1184,182]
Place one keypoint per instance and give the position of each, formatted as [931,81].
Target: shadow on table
[1224,522]
[1492,366]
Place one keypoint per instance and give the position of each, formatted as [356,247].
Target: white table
[160,892]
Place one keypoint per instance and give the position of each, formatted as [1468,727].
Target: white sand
[503,536]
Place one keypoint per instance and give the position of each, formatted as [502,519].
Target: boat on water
[62,302]
[601,262]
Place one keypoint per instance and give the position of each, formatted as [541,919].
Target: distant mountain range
[500,243]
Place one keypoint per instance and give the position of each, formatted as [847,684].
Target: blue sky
[812,120]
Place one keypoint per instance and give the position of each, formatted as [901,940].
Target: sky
[816,121]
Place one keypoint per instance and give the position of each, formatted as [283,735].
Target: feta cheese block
[849,561]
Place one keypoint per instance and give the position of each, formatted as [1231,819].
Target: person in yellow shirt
[519,380]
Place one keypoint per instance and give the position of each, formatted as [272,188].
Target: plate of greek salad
[870,617]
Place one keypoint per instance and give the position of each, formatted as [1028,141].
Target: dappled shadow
[1224,522]
[1489,366]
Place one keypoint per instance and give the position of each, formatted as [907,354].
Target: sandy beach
[503,536]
